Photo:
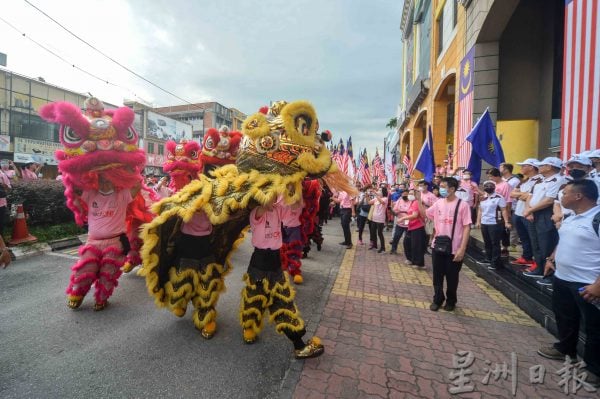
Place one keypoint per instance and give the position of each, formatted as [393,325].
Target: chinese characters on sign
[572,378]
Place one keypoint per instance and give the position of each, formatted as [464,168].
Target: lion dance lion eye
[209,143]
[194,154]
[130,135]
[70,137]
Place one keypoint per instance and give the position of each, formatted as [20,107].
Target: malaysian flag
[465,109]
[378,170]
[365,173]
[408,164]
[581,78]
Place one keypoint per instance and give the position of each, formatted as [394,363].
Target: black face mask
[577,174]
[405,197]
[489,190]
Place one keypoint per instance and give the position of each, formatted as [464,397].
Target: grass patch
[50,233]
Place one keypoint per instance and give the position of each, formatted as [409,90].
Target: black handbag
[443,244]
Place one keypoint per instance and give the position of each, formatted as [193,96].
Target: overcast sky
[342,55]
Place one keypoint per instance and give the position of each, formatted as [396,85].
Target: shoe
[360,242]
[127,267]
[449,308]
[298,279]
[546,281]
[74,301]
[381,250]
[550,352]
[434,307]
[491,267]
[484,262]
[349,246]
[372,247]
[593,379]
[532,268]
[532,275]
[249,336]
[179,312]
[98,306]
[409,263]
[319,246]
[522,261]
[313,348]
[393,253]
[343,243]
[209,330]
[504,253]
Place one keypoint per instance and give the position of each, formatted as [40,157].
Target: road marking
[408,275]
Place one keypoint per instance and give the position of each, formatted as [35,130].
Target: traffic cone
[20,232]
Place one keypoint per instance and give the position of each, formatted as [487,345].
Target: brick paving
[382,341]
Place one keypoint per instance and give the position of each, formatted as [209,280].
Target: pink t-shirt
[266,230]
[379,211]
[471,188]
[428,198]
[106,213]
[442,214]
[346,201]
[401,208]
[290,215]
[199,225]
[504,189]
[414,224]
[28,175]
[6,181]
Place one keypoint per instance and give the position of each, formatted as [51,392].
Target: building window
[150,148]
[161,149]
[446,22]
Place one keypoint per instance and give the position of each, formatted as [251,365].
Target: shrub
[44,201]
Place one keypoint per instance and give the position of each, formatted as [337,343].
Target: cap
[552,161]
[580,159]
[529,161]
[594,154]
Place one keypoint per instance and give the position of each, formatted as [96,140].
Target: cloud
[342,56]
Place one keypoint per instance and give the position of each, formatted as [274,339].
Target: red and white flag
[581,78]
[408,164]
[465,109]
[378,170]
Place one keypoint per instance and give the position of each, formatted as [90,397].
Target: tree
[392,123]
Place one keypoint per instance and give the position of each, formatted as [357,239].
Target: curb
[27,251]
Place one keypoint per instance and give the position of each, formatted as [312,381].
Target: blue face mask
[443,192]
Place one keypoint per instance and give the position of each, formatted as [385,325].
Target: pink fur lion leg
[133,256]
[110,270]
[85,271]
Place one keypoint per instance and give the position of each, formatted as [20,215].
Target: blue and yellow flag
[486,146]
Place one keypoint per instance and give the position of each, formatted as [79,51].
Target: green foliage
[44,202]
[49,233]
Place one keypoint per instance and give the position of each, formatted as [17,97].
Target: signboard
[29,150]
[4,143]
[165,128]
[155,160]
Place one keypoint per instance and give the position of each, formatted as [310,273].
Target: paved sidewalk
[382,340]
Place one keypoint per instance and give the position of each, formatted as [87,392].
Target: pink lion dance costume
[100,151]
[182,164]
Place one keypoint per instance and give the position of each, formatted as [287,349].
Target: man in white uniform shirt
[538,210]
[577,265]
[520,223]
[594,156]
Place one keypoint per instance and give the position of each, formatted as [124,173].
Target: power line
[65,60]
[106,55]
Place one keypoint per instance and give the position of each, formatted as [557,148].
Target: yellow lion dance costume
[279,149]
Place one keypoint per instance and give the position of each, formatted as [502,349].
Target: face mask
[422,189]
[466,177]
[411,197]
[489,190]
[405,197]
[106,192]
[577,174]
[443,192]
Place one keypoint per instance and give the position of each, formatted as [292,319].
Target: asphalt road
[135,350]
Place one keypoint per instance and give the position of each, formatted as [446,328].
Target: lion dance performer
[101,167]
[311,229]
[279,149]
[193,271]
